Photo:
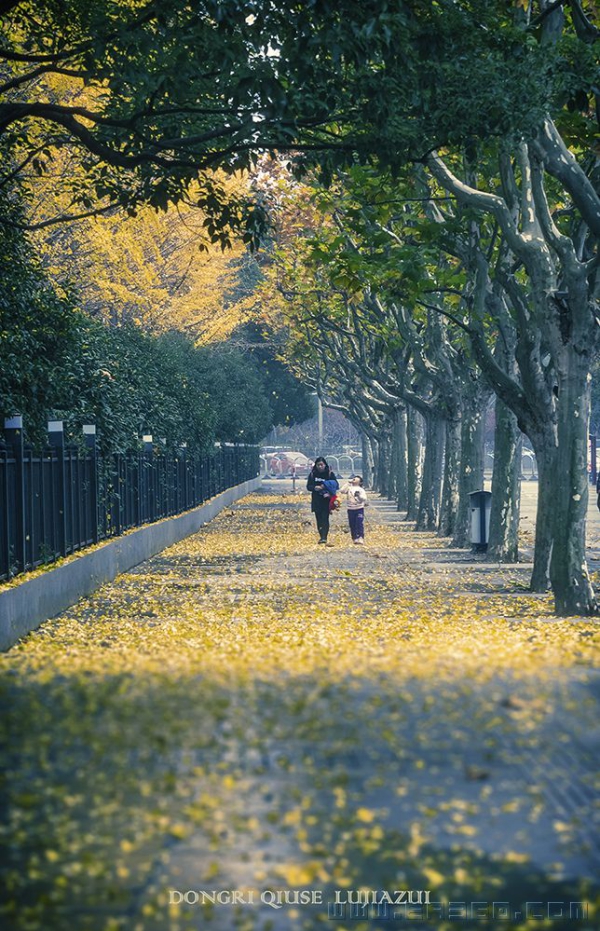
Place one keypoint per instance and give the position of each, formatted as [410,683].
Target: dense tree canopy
[150,94]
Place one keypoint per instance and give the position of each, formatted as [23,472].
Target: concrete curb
[26,606]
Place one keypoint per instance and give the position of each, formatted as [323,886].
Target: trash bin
[481,508]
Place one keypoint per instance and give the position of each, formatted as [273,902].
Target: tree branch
[545,13]
[560,162]
[7,178]
[67,218]
[32,75]
[446,313]
[481,200]
[562,245]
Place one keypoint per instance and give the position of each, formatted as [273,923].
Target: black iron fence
[59,500]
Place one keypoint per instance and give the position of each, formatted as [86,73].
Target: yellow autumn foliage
[158,271]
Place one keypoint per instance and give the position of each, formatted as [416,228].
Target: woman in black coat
[319,503]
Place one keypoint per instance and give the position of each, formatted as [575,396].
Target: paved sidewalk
[250,712]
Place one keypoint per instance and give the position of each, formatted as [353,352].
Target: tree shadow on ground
[121,789]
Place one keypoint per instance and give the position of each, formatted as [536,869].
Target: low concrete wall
[26,606]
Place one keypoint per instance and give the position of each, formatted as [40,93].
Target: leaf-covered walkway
[249,711]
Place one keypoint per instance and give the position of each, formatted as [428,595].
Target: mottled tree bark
[503,544]
[449,506]
[401,460]
[429,503]
[367,460]
[390,479]
[546,464]
[383,463]
[569,575]
[415,461]
[471,460]
[376,457]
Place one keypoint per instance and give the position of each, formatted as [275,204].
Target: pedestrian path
[276,726]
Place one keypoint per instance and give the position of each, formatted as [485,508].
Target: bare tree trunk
[546,464]
[390,464]
[415,462]
[471,459]
[429,504]
[503,544]
[569,575]
[392,457]
[401,464]
[381,467]
[376,454]
[368,465]
[449,508]
[383,463]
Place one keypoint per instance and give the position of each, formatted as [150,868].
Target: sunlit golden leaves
[157,270]
[251,710]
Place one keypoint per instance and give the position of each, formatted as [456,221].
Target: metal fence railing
[59,500]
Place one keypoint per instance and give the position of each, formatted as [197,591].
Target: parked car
[283,464]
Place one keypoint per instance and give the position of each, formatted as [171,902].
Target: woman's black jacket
[314,484]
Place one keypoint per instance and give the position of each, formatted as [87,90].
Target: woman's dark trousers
[322,517]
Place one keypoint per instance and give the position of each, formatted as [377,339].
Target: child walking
[356,500]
